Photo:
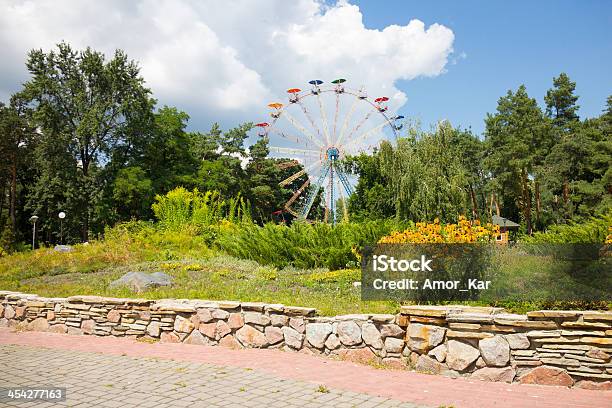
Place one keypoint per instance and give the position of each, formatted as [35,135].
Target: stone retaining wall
[545,347]
[361,338]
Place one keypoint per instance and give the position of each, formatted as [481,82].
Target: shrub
[301,244]
[181,208]
[594,230]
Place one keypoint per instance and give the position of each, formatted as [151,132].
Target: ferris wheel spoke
[290,150]
[361,123]
[324,119]
[368,133]
[296,124]
[335,134]
[310,119]
[346,120]
[287,136]
[297,175]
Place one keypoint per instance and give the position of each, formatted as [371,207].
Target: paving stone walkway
[114,372]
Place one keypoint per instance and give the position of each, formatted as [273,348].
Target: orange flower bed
[425,233]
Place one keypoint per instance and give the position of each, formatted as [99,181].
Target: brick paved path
[124,373]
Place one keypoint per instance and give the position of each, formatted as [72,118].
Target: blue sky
[506,44]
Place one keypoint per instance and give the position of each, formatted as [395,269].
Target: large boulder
[141,281]
[460,355]
[63,248]
[495,351]
[547,375]
[422,338]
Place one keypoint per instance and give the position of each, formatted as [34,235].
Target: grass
[200,272]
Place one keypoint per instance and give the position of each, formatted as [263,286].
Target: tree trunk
[565,195]
[526,201]
[538,203]
[13,194]
[474,204]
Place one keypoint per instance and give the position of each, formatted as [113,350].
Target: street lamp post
[61,216]
[33,220]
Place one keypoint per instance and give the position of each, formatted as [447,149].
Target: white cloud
[223,61]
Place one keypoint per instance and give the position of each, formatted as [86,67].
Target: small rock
[9,312]
[438,352]
[235,320]
[460,355]
[75,331]
[361,355]
[220,314]
[279,320]
[208,329]
[547,375]
[592,385]
[505,374]
[63,248]
[394,363]
[597,353]
[196,338]
[495,351]
[428,365]
[298,324]
[113,316]
[273,334]
[393,345]
[169,337]
[371,336]
[332,342]
[391,330]
[183,325]
[251,337]
[256,318]
[349,333]
[480,363]
[39,324]
[88,326]
[222,329]
[518,341]
[422,338]
[140,281]
[316,334]
[292,337]
[204,316]
[58,328]
[153,329]
[229,341]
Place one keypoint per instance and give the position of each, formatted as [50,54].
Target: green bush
[181,208]
[301,244]
[593,230]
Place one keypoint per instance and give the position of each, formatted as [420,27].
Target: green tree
[561,102]
[90,105]
[517,139]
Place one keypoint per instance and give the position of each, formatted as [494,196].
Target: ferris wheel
[315,129]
